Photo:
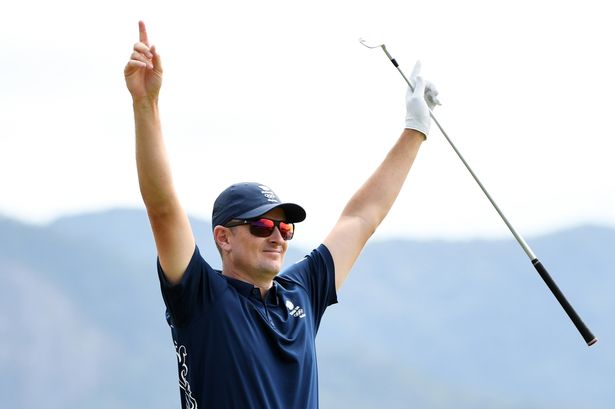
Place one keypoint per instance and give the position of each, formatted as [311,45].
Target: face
[256,258]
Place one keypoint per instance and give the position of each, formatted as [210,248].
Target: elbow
[365,225]
[161,209]
[368,217]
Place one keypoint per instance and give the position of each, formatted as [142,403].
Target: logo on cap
[268,193]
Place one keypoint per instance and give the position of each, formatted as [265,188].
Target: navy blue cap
[250,200]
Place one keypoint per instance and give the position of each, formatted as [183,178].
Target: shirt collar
[249,290]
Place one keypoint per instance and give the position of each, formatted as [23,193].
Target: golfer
[245,336]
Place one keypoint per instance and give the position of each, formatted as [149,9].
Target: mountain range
[431,324]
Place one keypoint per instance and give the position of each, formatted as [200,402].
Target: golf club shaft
[576,320]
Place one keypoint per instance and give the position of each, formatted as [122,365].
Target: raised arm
[169,222]
[371,203]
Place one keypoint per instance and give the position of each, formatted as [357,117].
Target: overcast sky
[281,92]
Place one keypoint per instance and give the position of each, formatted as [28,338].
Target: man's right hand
[143,73]
[170,224]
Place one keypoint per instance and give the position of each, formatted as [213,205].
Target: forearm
[154,171]
[372,202]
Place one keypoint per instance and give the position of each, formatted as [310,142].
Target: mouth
[273,252]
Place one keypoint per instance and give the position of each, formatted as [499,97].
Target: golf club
[581,327]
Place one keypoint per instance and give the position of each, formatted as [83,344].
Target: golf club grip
[576,320]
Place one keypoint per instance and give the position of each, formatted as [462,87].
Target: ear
[222,237]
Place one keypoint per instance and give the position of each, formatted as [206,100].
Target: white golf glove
[419,102]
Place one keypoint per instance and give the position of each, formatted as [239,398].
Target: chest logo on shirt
[295,311]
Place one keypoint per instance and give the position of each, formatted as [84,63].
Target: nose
[276,236]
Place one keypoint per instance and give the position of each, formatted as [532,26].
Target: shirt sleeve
[316,274]
[195,292]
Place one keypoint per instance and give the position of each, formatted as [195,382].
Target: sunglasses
[264,227]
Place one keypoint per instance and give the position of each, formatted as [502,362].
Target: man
[244,336]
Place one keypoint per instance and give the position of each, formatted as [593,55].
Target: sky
[282,93]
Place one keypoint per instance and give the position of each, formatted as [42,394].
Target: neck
[263,284]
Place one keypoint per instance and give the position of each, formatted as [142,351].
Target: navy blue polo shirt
[238,350]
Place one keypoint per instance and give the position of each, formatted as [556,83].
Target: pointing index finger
[143,34]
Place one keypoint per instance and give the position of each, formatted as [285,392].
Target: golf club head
[370,44]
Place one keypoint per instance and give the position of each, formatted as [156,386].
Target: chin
[274,263]
[272,268]
[275,269]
